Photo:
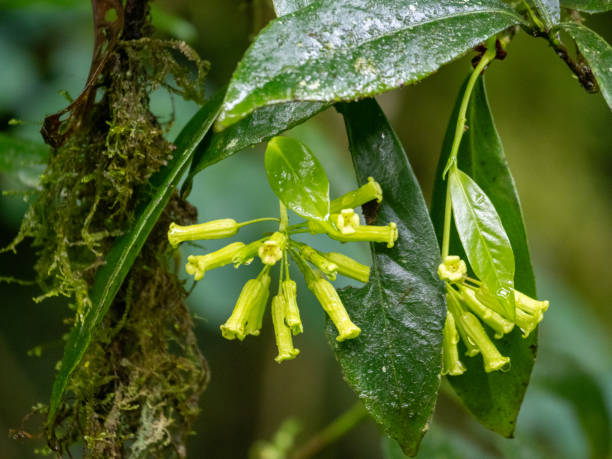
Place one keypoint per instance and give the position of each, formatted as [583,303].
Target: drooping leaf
[549,11]
[23,159]
[394,364]
[282,7]
[597,53]
[493,398]
[588,6]
[345,50]
[483,237]
[259,126]
[126,248]
[297,178]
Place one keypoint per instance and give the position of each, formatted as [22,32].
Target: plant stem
[534,18]
[486,58]
[298,225]
[257,220]
[284,218]
[340,426]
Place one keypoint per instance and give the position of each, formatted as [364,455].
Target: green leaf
[588,6]
[126,248]
[297,178]
[394,364]
[344,50]
[23,159]
[259,126]
[282,7]
[493,398]
[597,53]
[549,11]
[483,237]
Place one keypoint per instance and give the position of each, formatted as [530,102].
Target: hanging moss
[136,391]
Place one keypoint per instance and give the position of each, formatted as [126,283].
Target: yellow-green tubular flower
[358,197]
[325,265]
[249,299]
[530,305]
[255,319]
[452,269]
[197,265]
[329,299]
[486,297]
[282,332]
[349,267]
[292,317]
[527,322]
[493,360]
[456,309]
[370,233]
[272,250]
[488,316]
[246,255]
[451,365]
[346,221]
[215,229]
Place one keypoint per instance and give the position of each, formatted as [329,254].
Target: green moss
[136,391]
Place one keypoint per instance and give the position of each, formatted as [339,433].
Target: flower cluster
[470,304]
[318,268]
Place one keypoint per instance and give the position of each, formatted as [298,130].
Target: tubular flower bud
[326,266]
[282,333]
[527,322]
[272,250]
[488,316]
[255,319]
[452,269]
[249,299]
[528,304]
[486,297]
[215,229]
[346,221]
[329,299]
[370,233]
[246,255]
[455,308]
[358,197]
[451,365]
[493,360]
[197,265]
[349,267]
[292,316]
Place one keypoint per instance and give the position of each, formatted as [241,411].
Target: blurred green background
[558,140]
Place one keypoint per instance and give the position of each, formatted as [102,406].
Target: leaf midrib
[383,296]
[480,237]
[391,34]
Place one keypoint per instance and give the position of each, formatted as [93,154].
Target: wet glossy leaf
[394,365]
[597,53]
[259,126]
[493,398]
[341,50]
[549,11]
[588,6]
[483,237]
[120,258]
[23,159]
[282,7]
[297,178]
